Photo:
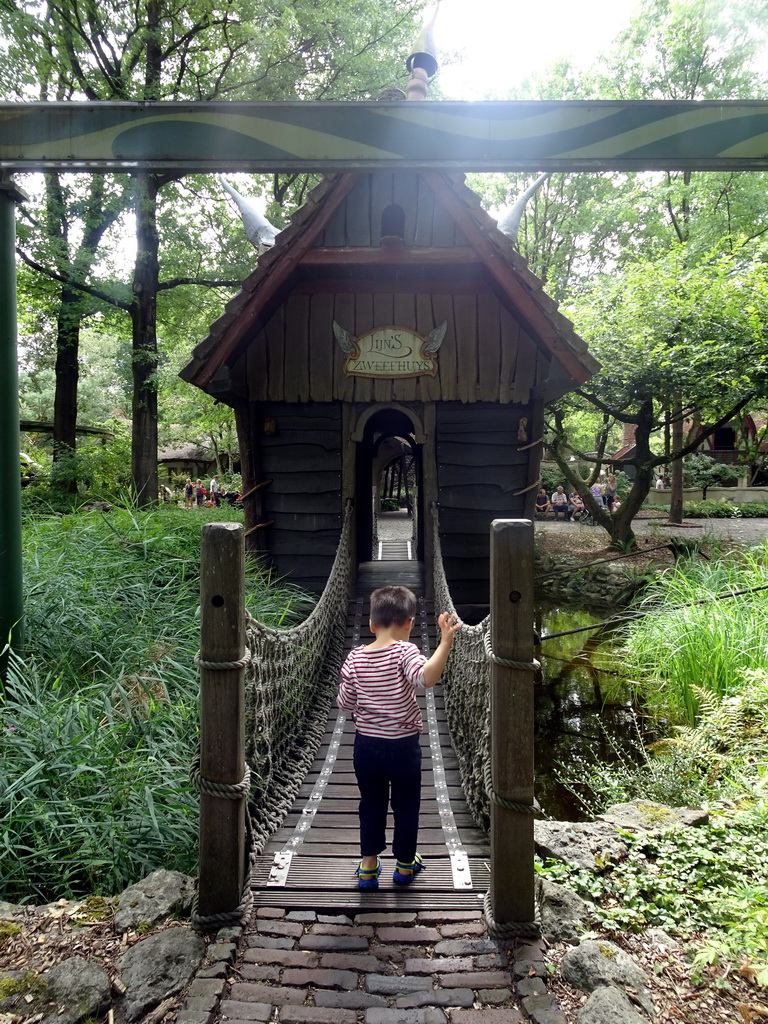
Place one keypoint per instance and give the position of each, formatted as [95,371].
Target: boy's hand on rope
[448,626]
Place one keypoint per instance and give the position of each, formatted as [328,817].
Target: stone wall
[734,494]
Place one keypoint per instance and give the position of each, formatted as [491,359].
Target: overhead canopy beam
[435,135]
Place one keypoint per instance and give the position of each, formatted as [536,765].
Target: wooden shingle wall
[358,221]
[480,466]
[303,460]
[486,355]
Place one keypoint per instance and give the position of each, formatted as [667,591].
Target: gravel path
[740,532]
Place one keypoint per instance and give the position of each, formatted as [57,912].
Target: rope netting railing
[289,684]
[467,695]
[466,689]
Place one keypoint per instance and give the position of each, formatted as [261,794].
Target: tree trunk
[676,497]
[67,376]
[619,524]
[144,318]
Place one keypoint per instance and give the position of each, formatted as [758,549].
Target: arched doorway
[388,466]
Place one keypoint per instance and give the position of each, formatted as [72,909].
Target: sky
[504,41]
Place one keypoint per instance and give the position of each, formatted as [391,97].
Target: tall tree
[665,331]
[196,50]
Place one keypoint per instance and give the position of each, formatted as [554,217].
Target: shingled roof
[509,273]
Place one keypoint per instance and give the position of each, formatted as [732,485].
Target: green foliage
[722,509]
[98,725]
[704,472]
[709,880]
[693,332]
[98,467]
[684,618]
[95,791]
[707,884]
[43,500]
[667,774]
[551,477]
[724,753]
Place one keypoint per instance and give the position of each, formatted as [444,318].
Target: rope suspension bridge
[302,843]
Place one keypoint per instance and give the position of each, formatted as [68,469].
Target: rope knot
[531,666]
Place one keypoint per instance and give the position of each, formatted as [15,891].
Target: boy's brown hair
[392,606]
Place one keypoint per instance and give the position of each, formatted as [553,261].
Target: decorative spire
[259,232]
[509,220]
[423,63]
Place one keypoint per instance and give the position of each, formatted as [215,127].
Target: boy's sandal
[404,874]
[368,878]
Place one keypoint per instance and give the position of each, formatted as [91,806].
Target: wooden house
[391,307]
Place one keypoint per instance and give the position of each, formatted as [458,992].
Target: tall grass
[683,645]
[98,722]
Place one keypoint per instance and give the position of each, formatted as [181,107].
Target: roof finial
[422,63]
[260,233]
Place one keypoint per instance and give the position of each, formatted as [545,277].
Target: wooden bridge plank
[322,869]
[339,873]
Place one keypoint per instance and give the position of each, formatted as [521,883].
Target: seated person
[576,506]
[542,504]
[559,501]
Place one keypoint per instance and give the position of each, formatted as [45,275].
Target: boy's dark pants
[388,770]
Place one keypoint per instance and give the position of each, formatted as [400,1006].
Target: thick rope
[502,801]
[225,790]
[525,447]
[530,666]
[530,487]
[223,666]
[242,912]
[510,929]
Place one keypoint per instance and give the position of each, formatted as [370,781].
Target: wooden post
[512,877]
[222,717]
[12,591]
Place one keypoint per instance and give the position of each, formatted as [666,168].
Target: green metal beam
[11,602]
[330,137]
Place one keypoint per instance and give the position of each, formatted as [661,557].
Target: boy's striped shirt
[379,686]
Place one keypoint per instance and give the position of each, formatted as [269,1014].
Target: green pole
[11,601]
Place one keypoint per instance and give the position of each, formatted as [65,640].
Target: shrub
[98,725]
[689,612]
[722,509]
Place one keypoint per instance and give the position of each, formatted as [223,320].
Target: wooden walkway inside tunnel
[310,861]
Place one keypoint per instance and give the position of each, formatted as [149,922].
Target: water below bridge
[584,714]
[583,704]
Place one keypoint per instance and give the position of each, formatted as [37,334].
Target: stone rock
[596,962]
[9,910]
[608,1005]
[564,915]
[79,989]
[591,846]
[639,816]
[660,938]
[26,984]
[153,900]
[158,967]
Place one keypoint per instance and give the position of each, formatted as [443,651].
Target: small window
[393,222]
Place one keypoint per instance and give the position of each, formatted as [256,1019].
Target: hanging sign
[392,352]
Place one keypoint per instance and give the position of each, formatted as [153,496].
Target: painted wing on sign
[436,336]
[344,338]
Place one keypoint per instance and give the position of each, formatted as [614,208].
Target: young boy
[378,684]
